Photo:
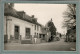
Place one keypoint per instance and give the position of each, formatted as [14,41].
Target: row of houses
[20,27]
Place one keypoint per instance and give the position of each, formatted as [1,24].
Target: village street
[51,46]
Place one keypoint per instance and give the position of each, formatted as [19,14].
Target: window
[35,27]
[37,34]
[40,36]
[16,28]
[39,28]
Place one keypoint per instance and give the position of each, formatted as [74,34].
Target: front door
[27,33]
[43,37]
[16,32]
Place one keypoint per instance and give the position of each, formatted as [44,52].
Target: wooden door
[16,32]
[27,33]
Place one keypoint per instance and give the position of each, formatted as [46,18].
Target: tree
[70,16]
[70,20]
[52,29]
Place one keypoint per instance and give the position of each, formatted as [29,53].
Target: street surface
[48,46]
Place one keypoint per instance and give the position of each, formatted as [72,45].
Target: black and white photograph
[39,27]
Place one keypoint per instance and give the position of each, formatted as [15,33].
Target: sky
[44,13]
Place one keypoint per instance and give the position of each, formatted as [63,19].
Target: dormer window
[22,14]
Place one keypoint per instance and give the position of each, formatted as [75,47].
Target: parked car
[57,38]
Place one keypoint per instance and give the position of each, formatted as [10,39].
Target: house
[71,34]
[45,33]
[20,27]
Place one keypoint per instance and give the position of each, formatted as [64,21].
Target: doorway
[16,32]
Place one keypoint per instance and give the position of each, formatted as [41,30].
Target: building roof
[10,11]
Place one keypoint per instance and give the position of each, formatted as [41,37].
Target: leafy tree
[70,20]
[52,27]
[70,16]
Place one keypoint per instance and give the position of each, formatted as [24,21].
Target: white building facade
[16,27]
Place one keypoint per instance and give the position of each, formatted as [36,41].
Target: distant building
[19,26]
[71,34]
[45,33]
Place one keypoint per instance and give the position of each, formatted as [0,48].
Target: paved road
[51,46]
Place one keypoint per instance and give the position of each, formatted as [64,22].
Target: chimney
[51,19]
[12,5]
[32,16]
